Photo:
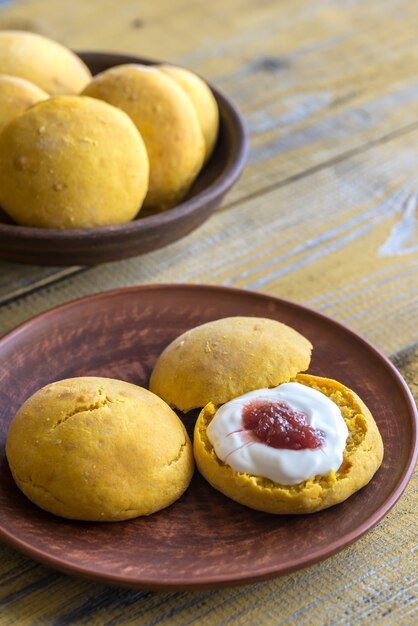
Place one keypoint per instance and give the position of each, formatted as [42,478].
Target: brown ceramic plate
[97,245]
[204,539]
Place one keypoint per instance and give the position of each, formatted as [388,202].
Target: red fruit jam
[279,426]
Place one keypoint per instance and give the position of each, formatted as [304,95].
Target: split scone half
[361,457]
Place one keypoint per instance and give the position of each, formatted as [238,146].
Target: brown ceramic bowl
[96,245]
[204,539]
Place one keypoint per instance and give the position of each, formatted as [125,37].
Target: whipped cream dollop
[244,452]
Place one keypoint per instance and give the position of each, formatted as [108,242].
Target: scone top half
[220,360]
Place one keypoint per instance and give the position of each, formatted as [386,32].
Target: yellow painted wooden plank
[319,83]
[17,280]
[314,81]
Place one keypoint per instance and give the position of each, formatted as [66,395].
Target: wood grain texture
[315,83]
[325,214]
[17,280]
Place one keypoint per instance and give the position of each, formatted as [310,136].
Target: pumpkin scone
[223,359]
[99,449]
[46,63]
[17,95]
[167,121]
[300,448]
[72,162]
[203,101]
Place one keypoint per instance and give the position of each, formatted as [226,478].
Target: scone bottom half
[98,449]
[221,360]
[361,459]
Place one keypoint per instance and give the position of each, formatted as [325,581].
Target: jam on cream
[279,426]
[288,434]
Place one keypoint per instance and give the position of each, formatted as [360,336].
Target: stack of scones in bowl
[78,152]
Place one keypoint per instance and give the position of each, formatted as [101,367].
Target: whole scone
[99,449]
[167,121]
[72,162]
[221,360]
[362,457]
[46,63]
[17,95]
[203,101]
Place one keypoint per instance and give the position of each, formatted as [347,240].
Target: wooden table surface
[325,214]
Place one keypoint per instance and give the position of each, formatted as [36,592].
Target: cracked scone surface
[223,359]
[99,449]
[362,457]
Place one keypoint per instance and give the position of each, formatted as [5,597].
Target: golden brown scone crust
[203,101]
[72,162]
[221,360]
[46,63]
[16,95]
[99,449]
[167,121]
[362,457]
